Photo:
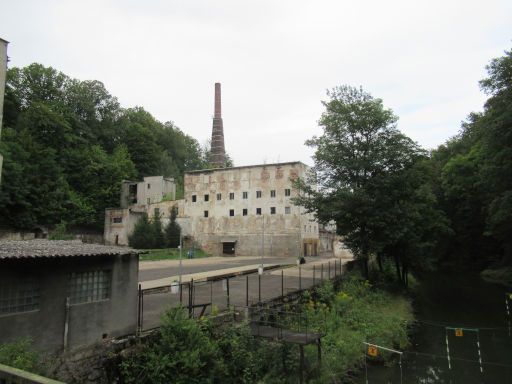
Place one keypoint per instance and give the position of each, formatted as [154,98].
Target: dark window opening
[231,212]
[117,220]
[258,194]
[149,186]
[258,211]
[206,197]
[194,198]
[272,210]
[205,213]
[231,196]
[273,193]
[245,195]
[228,248]
[244,212]
[287,192]
[219,196]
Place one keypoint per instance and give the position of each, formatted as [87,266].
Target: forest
[68,144]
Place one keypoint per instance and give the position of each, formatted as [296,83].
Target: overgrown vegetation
[393,200]
[151,235]
[21,355]
[188,350]
[68,144]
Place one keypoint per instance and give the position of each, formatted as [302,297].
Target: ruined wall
[119,224]
[221,196]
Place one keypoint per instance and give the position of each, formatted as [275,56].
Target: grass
[170,254]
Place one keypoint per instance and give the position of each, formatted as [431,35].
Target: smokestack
[217,153]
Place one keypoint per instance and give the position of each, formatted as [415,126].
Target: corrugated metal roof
[24,249]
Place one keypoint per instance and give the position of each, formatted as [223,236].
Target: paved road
[272,284]
[153,270]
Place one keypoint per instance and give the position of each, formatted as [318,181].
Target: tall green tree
[362,164]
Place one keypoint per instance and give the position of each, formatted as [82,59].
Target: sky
[275,60]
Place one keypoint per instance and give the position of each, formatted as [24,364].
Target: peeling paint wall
[224,205]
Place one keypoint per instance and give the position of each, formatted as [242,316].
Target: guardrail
[10,375]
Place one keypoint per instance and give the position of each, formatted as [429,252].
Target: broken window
[245,195]
[272,210]
[258,194]
[231,196]
[205,213]
[206,197]
[287,192]
[244,212]
[117,220]
[219,196]
[194,198]
[273,193]
[231,212]
[287,210]
[258,211]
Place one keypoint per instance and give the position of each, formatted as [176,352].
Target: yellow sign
[372,351]
[458,332]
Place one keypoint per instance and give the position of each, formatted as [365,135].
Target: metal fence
[218,294]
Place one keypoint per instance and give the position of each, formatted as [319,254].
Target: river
[455,301]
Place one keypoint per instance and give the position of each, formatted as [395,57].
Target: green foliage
[21,355]
[142,236]
[173,230]
[60,232]
[157,232]
[188,351]
[68,145]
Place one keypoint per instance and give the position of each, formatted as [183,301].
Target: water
[454,301]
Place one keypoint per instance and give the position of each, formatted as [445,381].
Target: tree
[142,236]
[360,164]
[173,230]
[157,231]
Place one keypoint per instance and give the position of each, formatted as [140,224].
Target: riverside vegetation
[187,350]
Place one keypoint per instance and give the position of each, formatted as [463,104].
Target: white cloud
[274,58]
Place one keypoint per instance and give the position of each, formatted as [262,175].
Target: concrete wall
[116,233]
[88,322]
[284,233]
[3,70]
[151,190]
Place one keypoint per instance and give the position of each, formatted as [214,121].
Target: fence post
[282,283]
[227,288]
[247,290]
[259,288]
[329,271]
[335,268]
[322,273]
[138,309]
[190,297]
[181,294]
[300,279]
[314,275]
[211,295]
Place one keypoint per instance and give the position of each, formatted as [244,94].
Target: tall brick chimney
[218,153]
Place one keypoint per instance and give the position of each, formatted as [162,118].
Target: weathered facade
[3,71]
[248,211]
[66,294]
[137,198]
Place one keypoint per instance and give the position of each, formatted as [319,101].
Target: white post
[181,250]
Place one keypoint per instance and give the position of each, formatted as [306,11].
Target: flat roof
[246,166]
[39,248]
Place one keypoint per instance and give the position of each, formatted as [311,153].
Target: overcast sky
[275,60]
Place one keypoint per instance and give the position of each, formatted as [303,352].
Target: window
[205,213]
[272,210]
[258,194]
[117,220]
[258,211]
[157,211]
[149,186]
[206,197]
[244,212]
[273,193]
[231,196]
[245,195]
[19,295]
[194,198]
[287,210]
[231,212]
[87,287]
[287,192]
[219,196]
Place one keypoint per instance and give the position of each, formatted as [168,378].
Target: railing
[10,375]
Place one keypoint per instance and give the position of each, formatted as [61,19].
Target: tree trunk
[379,260]
[397,267]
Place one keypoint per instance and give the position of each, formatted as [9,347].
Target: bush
[21,355]
[173,230]
[60,232]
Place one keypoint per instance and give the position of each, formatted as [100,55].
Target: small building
[249,211]
[66,294]
[152,194]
